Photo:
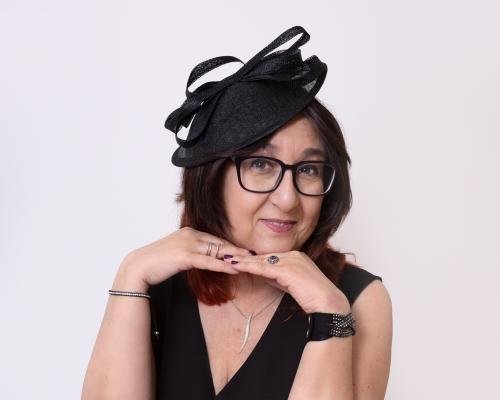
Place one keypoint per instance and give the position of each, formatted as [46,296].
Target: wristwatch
[321,326]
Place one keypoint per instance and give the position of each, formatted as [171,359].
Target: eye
[260,164]
[309,170]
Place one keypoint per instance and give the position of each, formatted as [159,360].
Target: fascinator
[261,96]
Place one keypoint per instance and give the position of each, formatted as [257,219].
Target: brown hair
[204,208]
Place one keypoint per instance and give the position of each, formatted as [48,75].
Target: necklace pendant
[247,333]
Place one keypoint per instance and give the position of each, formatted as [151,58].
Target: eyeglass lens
[260,174]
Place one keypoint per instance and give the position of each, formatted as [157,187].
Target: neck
[252,289]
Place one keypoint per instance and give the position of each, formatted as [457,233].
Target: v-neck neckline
[252,355]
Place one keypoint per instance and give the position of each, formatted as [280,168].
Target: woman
[248,300]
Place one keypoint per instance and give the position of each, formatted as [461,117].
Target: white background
[86,177]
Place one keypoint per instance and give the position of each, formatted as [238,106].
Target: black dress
[181,357]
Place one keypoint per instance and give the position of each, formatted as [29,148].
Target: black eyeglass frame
[284,167]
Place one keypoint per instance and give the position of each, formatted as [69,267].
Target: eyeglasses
[262,174]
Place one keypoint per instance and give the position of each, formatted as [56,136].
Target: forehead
[296,137]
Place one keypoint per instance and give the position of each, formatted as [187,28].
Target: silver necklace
[249,319]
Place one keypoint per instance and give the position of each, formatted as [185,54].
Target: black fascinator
[242,108]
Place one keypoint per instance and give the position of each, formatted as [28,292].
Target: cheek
[230,186]
[313,210]
[239,202]
[232,189]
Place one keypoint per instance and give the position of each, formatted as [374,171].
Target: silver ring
[209,250]
[273,259]
[219,245]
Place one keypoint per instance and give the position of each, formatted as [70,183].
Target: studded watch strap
[323,326]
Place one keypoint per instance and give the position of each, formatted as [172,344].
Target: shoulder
[369,298]
[373,305]
[355,280]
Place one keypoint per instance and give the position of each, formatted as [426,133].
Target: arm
[122,363]
[372,342]
[325,368]
[354,367]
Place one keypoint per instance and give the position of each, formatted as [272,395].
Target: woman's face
[247,210]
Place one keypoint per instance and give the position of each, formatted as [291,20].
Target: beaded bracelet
[133,294]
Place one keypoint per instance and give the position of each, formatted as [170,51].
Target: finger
[256,265]
[200,261]
[225,247]
[261,258]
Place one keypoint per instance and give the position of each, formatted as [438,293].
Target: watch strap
[322,326]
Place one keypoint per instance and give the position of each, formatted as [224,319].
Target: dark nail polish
[227,256]
[252,252]
[234,262]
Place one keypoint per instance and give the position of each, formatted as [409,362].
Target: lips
[283,221]
[279,226]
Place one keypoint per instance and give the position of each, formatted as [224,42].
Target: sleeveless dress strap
[354,280]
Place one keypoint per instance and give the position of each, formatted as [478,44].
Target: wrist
[336,303]
[129,278]
[322,326]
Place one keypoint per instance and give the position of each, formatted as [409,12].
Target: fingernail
[227,256]
[252,252]
[234,262]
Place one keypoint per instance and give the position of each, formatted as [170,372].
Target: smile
[279,227]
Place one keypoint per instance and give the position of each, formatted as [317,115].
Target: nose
[285,195]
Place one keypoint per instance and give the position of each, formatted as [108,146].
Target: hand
[182,250]
[298,275]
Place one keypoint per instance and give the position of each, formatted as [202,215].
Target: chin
[270,249]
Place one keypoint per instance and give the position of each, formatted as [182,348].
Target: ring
[273,259]
[219,245]
[209,250]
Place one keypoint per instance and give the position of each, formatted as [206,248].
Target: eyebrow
[309,152]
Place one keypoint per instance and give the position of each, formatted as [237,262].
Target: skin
[246,209]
